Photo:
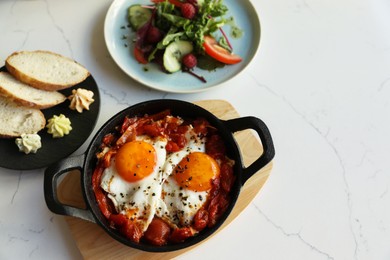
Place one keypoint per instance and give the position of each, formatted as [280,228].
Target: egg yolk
[196,171]
[135,160]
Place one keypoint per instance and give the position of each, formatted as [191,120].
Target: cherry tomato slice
[139,56]
[213,49]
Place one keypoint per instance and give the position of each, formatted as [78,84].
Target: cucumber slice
[138,16]
[174,53]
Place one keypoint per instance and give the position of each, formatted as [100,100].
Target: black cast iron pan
[87,162]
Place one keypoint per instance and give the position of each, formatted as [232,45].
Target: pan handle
[250,122]
[52,173]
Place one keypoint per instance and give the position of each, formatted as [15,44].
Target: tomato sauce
[173,128]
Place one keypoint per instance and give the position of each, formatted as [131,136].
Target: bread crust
[37,83]
[18,101]
[27,102]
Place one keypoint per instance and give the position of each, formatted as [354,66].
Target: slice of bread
[25,95]
[45,70]
[16,120]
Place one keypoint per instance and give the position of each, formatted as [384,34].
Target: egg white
[180,204]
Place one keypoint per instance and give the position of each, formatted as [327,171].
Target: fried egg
[188,176]
[133,179]
[143,181]
[188,187]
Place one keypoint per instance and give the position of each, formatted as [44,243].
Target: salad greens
[209,20]
[169,23]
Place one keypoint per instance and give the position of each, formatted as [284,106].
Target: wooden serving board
[94,243]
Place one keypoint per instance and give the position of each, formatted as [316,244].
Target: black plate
[54,149]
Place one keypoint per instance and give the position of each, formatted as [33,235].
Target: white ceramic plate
[118,37]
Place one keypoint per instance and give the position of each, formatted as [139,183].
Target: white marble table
[321,82]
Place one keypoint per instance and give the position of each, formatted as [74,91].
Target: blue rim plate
[118,37]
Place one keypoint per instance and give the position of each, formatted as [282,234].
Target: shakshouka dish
[161,179]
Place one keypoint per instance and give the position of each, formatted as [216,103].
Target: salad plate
[119,40]
[54,149]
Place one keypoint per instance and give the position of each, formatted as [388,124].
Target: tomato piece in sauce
[158,232]
[152,130]
[215,147]
[179,235]
[201,219]
[126,227]
[227,177]
[101,198]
